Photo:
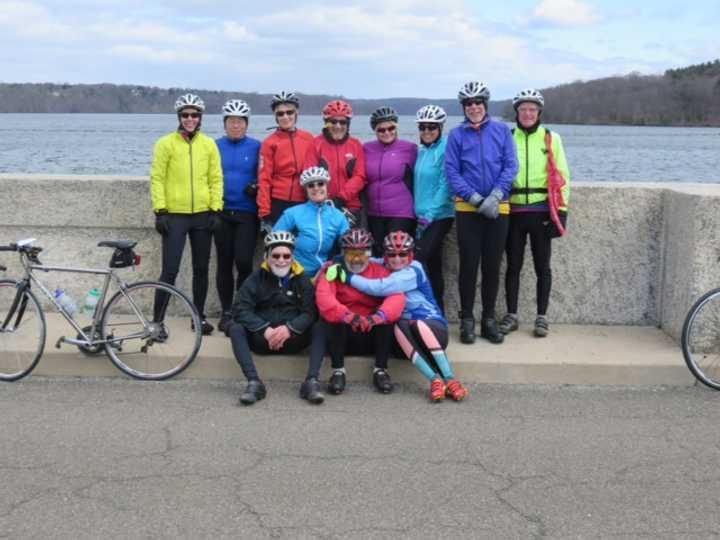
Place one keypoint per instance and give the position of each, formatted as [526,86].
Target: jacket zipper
[192,187]
[379,199]
[337,169]
[292,179]
[527,170]
[320,234]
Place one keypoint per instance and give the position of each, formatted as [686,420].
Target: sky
[370,49]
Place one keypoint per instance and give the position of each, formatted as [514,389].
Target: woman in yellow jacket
[187,192]
[530,210]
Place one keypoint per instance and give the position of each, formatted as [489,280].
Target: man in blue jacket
[236,236]
[480,164]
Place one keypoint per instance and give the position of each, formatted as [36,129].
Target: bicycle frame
[110,276]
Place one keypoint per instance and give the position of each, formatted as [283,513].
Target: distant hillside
[111,98]
[688,96]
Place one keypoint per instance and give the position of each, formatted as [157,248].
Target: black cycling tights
[235,241]
[481,242]
[196,226]
[522,226]
[429,251]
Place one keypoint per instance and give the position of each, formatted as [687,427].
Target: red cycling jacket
[282,156]
[345,161]
[335,299]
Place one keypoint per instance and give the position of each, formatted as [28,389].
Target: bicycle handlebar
[11,247]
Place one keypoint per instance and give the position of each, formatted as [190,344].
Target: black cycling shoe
[225,323]
[310,390]
[336,384]
[467,330]
[254,391]
[205,327]
[490,331]
[162,335]
[382,381]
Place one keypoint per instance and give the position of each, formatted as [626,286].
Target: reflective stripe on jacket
[186,176]
[530,185]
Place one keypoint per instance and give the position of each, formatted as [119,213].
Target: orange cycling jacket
[345,161]
[282,157]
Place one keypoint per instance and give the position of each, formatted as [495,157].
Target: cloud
[144,53]
[565,12]
[30,20]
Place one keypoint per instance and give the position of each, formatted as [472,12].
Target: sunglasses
[280,114]
[338,122]
[283,256]
[428,127]
[471,102]
[313,185]
[402,254]
[187,115]
[385,130]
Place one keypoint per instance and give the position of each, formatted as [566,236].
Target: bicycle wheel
[153,330]
[701,339]
[22,331]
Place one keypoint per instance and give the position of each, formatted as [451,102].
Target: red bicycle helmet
[399,242]
[356,239]
[337,107]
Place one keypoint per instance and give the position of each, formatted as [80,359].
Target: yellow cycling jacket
[186,176]
[530,184]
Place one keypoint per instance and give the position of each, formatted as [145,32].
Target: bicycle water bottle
[67,303]
[91,302]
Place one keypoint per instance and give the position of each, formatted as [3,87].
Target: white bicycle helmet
[474,90]
[284,97]
[431,114]
[189,100]
[529,95]
[236,107]
[279,238]
[314,174]
[383,114]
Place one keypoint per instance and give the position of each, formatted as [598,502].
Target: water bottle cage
[122,258]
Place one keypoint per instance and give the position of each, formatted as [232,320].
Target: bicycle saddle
[118,244]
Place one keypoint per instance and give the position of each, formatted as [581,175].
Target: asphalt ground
[115,458]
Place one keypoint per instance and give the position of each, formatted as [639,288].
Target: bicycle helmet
[314,174]
[431,114]
[279,238]
[398,241]
[383,114]
[529,95]
[356,239]
[189,100]
[474,90]
[236,107]
[284,97]
[337,107]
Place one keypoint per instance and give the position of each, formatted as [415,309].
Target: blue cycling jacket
[419,299]
[317,228]
[433,197]
[480,160]
[240,165]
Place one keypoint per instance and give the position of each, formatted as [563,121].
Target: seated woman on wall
[317,224]
[422,332]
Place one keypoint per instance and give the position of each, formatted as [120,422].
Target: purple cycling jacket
[389,170]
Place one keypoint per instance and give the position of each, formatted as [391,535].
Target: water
[121,144]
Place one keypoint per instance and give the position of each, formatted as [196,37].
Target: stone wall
[636,254]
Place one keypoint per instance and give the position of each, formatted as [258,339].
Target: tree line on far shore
[688,96]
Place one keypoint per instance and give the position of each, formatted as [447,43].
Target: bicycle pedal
[59,342]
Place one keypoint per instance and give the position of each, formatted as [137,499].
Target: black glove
[551,230]
[214,221]
[162,222]
[339,202]
[251,190]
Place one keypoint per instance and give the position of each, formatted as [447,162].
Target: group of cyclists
[354,232]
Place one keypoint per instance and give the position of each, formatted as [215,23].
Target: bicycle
[701,339]
[155,346]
